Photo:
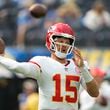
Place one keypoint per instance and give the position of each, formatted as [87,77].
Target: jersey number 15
[68,88]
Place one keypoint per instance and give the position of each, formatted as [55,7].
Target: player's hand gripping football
[78,57]
[2,47]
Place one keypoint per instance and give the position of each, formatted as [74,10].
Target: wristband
[86,74]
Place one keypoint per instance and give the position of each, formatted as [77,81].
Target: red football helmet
[97,72]
[59,30]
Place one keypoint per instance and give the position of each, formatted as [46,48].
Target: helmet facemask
[62,49]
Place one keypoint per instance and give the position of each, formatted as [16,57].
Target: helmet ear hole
[53,46]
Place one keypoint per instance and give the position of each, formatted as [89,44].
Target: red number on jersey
[57,97]
[68,88]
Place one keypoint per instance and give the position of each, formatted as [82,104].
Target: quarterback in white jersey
[58,84]
[58,78]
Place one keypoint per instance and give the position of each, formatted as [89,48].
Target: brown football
[38,10]
[2,46]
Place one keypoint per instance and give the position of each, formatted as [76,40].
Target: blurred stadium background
[25,36]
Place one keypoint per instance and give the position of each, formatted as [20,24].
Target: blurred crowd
[90,19]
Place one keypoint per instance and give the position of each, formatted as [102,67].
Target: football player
[58,78]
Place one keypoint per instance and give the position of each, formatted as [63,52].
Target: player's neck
[63,61]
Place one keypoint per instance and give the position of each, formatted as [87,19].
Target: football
[38,10]
[2,46]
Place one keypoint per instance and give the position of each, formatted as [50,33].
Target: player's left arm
[91,84]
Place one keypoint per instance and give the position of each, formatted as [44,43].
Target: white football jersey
[58,84]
